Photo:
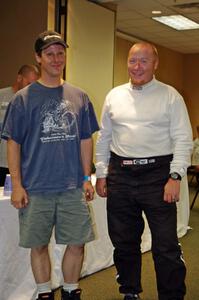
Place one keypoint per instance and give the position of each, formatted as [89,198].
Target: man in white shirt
[26,75]
[143,150]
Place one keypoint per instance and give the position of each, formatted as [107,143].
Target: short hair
[25,69]
[152,46]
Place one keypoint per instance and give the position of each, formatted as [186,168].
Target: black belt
[138,161]
[129,161]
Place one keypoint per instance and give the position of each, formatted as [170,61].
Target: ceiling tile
[134,19]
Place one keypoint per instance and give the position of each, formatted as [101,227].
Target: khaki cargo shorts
[65,212]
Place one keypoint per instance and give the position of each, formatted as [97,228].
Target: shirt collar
[144,86]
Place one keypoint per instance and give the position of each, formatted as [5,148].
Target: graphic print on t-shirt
[58,121]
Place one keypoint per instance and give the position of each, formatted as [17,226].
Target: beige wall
[21,21]
[171,68]
[51,15]
[90,36]
[120,61]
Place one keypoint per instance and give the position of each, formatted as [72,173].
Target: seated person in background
[26,75]
[195,155]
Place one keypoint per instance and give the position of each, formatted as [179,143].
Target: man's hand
[88,190]
[172,191]
[101,187]
[19,197]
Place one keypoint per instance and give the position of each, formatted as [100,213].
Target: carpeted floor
[102,285]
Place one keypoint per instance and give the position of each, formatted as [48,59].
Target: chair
[197,189]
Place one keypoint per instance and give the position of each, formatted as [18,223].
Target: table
[16,279]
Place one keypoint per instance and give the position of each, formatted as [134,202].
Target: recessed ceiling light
[156,12]
[178,22]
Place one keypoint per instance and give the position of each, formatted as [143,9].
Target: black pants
[3,172]
[131,190]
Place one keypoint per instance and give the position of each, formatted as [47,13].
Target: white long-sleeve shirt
[146,122]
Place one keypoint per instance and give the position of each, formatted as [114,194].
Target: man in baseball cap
[49,129]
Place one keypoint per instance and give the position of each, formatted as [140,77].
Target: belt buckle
[143,161]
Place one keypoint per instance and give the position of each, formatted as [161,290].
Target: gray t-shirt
[6,95]
[49,124]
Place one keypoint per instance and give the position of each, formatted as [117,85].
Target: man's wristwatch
[175,176]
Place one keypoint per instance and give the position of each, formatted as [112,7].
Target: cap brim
[55,42]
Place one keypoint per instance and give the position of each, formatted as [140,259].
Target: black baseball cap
[47,38]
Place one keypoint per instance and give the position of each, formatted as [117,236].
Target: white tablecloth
[16,279]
